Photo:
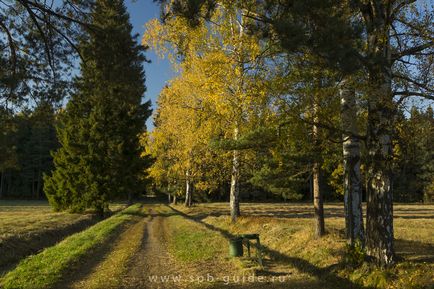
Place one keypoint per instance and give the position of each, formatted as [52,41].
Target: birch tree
[351,163]
[390,41]
[222,60]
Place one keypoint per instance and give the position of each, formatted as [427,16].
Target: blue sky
[159,70]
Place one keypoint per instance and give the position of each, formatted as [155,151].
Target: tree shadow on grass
[328,279]
[16,248]
[414,251]
[83,266]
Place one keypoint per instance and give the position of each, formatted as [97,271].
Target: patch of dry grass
[27,217]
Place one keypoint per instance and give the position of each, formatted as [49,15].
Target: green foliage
[335,180]
[100,155]
[29,138]
[428,195]
[354,255]
[414,157]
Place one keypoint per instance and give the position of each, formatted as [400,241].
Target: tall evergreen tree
[100,128]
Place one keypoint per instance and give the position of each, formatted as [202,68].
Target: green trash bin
[236,247]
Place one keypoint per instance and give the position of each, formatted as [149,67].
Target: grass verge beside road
[45,269]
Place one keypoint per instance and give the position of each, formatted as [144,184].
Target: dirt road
[152,266]
[139,258]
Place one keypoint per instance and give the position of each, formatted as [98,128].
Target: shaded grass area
[286,232]
[29,226]
[27,217]
[46,268]
[108,273]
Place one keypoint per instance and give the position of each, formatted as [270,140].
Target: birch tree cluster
[297,98]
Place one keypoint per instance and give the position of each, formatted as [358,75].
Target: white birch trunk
[352,176]
[188,189]
[235,191]
[379,215]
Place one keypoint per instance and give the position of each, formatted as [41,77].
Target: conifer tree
[99,130]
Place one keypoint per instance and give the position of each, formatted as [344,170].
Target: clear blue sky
[159,70]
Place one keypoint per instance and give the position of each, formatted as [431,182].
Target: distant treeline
[26,141]
[28,138]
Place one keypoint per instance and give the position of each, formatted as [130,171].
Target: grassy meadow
[287,235]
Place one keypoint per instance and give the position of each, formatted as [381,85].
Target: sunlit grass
[27,217]
[109,272]
[286,230]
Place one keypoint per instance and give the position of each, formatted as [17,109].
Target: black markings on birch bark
[351,162]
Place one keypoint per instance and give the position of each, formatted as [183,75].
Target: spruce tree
[99,130]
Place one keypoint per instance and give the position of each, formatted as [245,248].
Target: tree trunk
[39,186]
[235,191]
[318,201]
[130,198]
[32,186]
[316,175]
[188,189]
[2,179]
[352,176]
[379,215]
[169,198]
[174,200]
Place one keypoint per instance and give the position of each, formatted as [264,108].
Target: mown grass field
[29,226]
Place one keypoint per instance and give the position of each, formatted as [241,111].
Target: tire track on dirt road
[150,266]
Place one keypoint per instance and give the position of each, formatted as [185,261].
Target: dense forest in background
[28,139]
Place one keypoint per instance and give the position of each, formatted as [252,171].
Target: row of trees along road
[259,89]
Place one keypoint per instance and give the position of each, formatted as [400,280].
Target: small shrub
[354,255]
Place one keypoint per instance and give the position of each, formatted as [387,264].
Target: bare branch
[401,5]
[41,32]
[414,82]
[52,12]
[407,93]
[412,50]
